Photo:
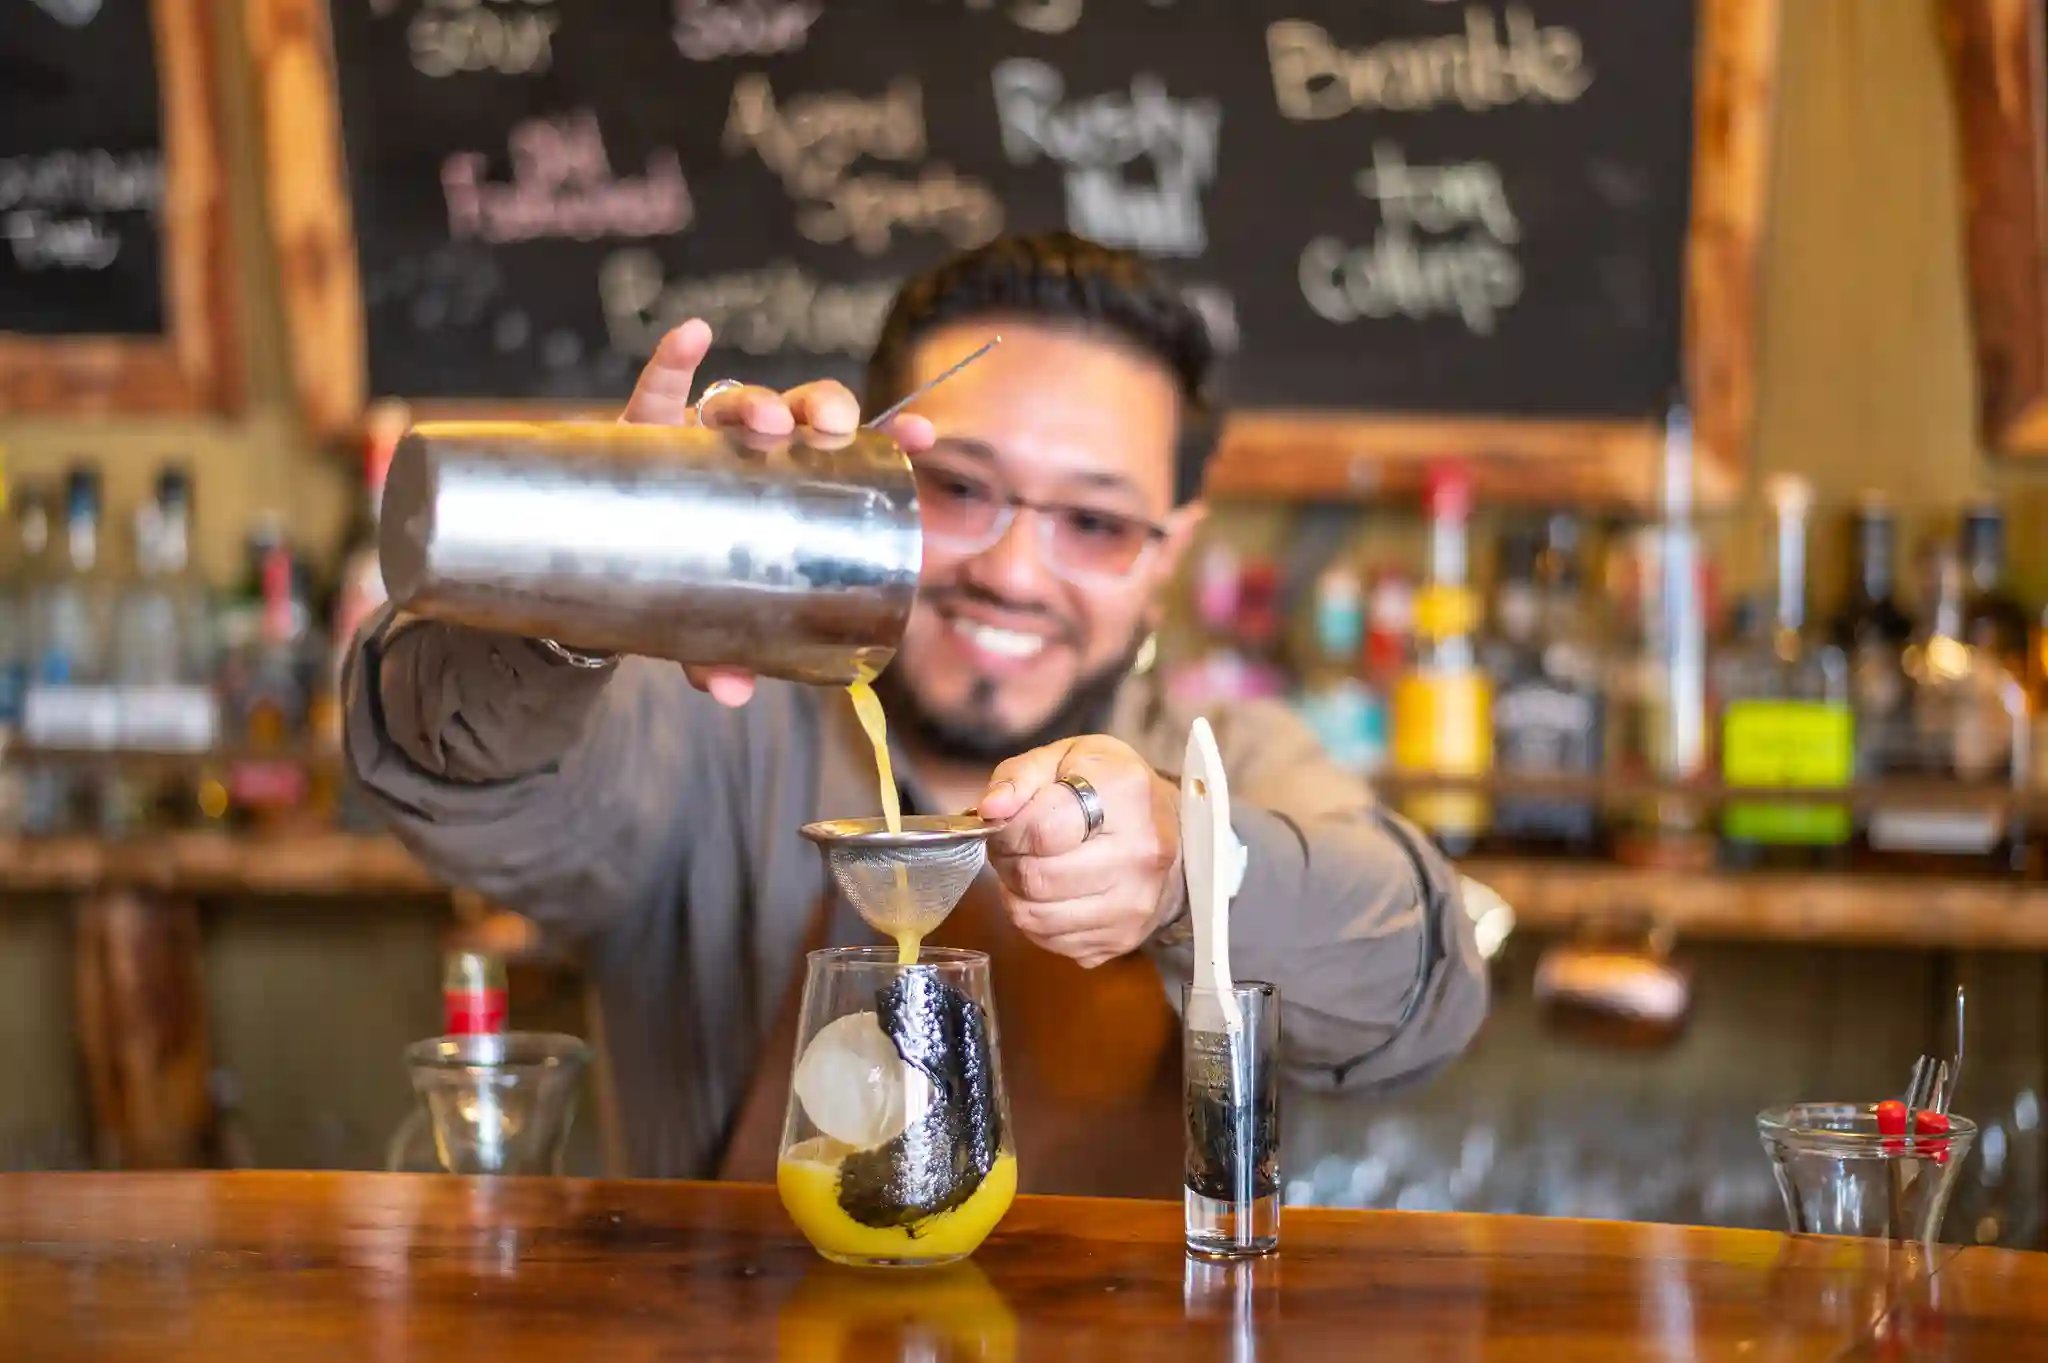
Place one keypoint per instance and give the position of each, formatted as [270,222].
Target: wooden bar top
[286,1266]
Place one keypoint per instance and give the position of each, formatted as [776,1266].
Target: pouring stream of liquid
[867,707]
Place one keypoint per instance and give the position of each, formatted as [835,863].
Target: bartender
[648,814]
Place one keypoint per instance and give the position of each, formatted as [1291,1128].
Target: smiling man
[650,814]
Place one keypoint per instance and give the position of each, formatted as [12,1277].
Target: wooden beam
[307,195]
[142,1030]
[1331,456]
[1735,84]
[1995,62]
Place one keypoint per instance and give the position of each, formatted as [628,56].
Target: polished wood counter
[193,1266]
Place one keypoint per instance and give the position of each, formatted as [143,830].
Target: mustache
[957,594]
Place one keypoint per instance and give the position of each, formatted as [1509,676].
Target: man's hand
[1092,899]
[662,398]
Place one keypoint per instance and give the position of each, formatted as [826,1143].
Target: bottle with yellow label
[1785,716]
[1442,702]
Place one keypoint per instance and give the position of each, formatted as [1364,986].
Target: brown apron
[1091,1062]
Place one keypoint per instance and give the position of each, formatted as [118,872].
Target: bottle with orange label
[1442,701]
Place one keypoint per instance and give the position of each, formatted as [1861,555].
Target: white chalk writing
[812,143]
[71,13]
[1098,139]
[811,140]
[562,186]
[1218,310]
[509,37]
[1046,16]
[54,206]
[1442,248]
[866,210]
[776,309]
[706,30]
[1491,62]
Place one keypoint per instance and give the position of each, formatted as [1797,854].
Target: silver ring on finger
[1091,803]
[716,387]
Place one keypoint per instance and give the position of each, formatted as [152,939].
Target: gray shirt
[657,831]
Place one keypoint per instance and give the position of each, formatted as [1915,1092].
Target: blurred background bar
[1633,470]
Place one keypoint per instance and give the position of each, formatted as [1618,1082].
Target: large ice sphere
[855,1087]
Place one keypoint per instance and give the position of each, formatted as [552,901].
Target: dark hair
[1062,277]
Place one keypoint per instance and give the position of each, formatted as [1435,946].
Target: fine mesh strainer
[908,881]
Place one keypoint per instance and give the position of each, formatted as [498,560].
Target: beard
[973,733]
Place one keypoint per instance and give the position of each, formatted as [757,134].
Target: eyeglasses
[968,513]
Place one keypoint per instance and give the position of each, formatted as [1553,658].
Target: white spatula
[1213,860]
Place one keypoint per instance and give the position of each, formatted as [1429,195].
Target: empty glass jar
[499,1103]
[1840,1175]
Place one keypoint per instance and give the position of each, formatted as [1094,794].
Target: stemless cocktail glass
[896,1150]
[1840,1175]
[499,1102]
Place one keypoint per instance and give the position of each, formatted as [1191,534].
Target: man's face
[1012,635]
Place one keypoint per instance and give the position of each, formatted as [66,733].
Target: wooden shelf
[285,864]
[1837,909]
[1845,908]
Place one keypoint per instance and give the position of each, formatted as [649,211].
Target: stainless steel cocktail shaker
[793,557]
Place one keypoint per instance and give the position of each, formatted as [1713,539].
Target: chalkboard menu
[81,169]
[117,285]
[1463,210]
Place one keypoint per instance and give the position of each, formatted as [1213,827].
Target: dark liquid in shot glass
[1230,1104]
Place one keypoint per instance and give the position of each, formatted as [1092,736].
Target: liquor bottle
[1872,630]
[1991,618]
[2034,762]
[264,681]
[26,564]
[1966,725]
[1544,658]
[360,590]
[1389,628]
[1258,631]
[1213,672]
[1785,715]
[67,703]
[24,558]
[162,660]
[1347,715]
[473,1003]
[1658,687]
[1443,704]
[68,625]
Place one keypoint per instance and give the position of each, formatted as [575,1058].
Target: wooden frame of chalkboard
[1268,451]
[1998,62]
[193,365]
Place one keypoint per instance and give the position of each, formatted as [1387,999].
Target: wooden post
[142,1029]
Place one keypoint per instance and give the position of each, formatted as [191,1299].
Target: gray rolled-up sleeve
[1346,908]
[552,789]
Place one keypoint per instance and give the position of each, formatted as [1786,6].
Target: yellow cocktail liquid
[810,1193]
[868,708]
